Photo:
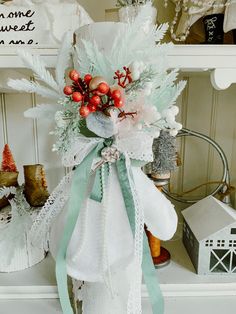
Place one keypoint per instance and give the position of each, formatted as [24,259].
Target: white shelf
[220,60]
[191,58]
[186,57]
[37,282]
[177,280]
[9,58]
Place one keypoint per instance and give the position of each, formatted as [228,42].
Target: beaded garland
[182,4]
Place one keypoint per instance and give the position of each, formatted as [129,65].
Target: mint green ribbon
[78,193]
[149,272]
[151,280]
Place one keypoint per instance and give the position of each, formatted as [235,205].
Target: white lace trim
[53,206]
[80,148]
[134,302]
[138,145]
[106,197]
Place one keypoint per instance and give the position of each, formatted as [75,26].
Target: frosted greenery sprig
[125,3]
[67,133]
[146,76]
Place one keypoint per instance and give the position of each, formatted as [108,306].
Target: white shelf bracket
[222,78]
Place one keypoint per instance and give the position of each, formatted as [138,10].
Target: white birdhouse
[209,235]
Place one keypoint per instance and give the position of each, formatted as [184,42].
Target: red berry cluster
[93,93]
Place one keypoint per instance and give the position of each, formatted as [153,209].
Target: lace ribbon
[53,206]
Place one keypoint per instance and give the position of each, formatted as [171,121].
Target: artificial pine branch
[24,85]
[8,163]
[63,60]
[39,68]
[147,76]
[136,45]
[43,111]
[161,31]
[177,90]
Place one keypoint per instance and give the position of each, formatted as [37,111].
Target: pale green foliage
[48,86]
[63,60]
[147,76]
[166,92]
[66,135]
[41,73]
[24,85]
[92,60]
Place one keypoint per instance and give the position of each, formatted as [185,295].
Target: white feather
[24,85]
[38,67]
[63,60]
[44,111]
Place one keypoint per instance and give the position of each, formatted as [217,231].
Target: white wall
[29,140]
[96,9]
[213,113]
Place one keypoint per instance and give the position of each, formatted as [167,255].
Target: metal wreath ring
[225,177]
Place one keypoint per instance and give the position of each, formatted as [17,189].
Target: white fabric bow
[136,145]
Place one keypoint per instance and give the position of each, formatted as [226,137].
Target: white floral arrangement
[106,119]
[125,3]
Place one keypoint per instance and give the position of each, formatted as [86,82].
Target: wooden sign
[24,25]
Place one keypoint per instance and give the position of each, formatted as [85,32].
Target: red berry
[95,100]
[68,90]
[84,111]
[77,96]
[119,103]
[92,108]
[88,78]
[74,75]
[116,94]
[103,88]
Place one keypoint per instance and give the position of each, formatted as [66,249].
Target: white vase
[128,14]
[102,33]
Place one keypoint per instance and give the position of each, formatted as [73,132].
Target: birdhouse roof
[208,216]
